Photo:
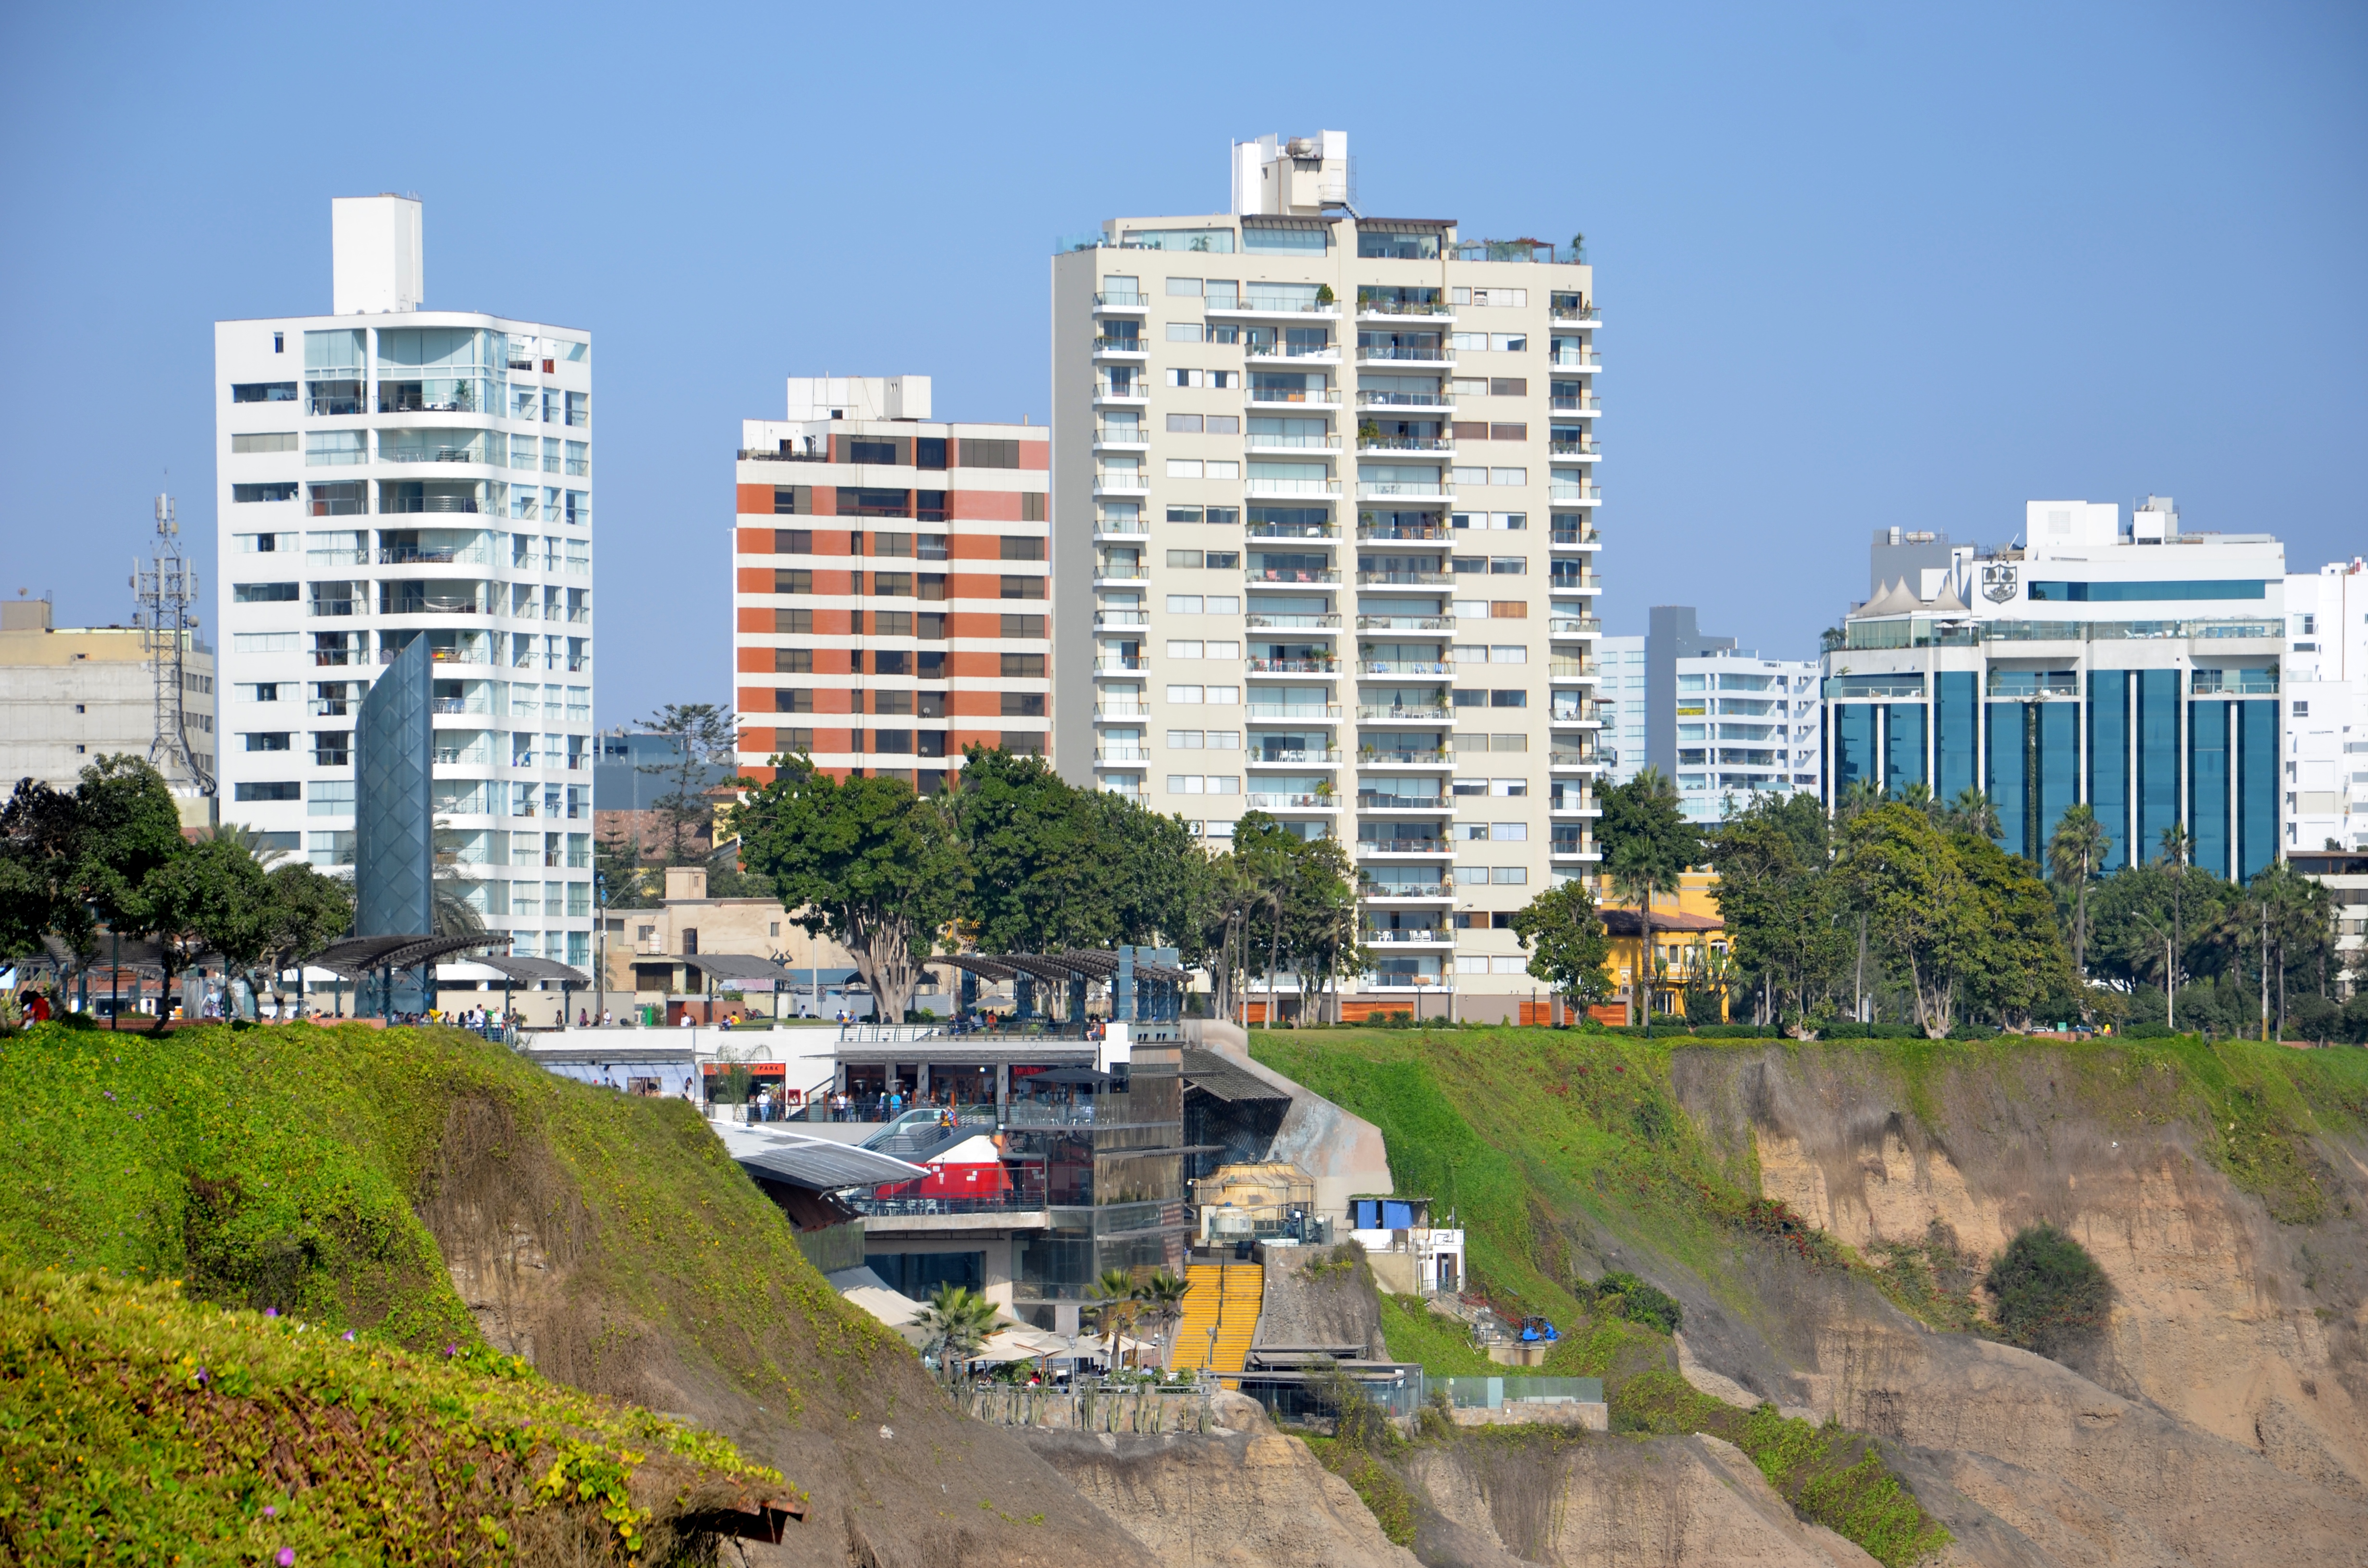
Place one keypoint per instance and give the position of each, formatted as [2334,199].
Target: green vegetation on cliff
[140,1427]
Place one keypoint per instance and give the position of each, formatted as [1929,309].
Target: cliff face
[2218,1418]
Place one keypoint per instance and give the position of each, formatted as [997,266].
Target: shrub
[1624,1296]
[2051,1296]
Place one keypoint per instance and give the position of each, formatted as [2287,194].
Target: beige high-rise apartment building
[1324,503]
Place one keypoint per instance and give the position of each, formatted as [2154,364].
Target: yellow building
[1688,943]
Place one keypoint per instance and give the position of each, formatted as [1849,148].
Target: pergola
[357,958]
[1139,987]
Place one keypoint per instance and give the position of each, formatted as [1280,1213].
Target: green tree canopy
[867,863]
[1647,844]
[1784,915]
[1903,871]
[706,741]
[1567,943]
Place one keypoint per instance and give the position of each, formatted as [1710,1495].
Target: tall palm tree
[2178,854]
[2074,856]
[1114,1303]
[1648,859]
[955,1322]
[1972,813]
[1163,1295]
[256,842]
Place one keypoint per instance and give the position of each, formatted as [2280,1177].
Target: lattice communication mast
[165,590]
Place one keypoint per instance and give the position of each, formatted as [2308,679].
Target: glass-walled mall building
[2119,663]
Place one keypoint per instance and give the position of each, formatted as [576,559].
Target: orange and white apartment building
[890,583]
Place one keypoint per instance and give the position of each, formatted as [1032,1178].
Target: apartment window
[894,703]
[895,743]
[1516,698]
[1022,547]
[1184,424]
[792,580]
[336,449]
[888,450]
[929,623]
[1513,431]
[282,491]
[868,502]
[932,507]
[579,409]
[1023,587]
[1028,626]
[333,748]
[264,739]
[1184,558]
[1507,566]
[979,453]
[797,622]
[1023,742]
[792,699]
[929,742]
[893,585]
[280,343]
[1223,559]
[890,662]
[1183,331]
[1031,507]
[893,547]
[793,661]
[272,441]
[793,500]
[793,541]
[263,593]
[932,585]
[1023,704]
[892,624]
[930,451]
[796,742]
[263,391]
[1023,666]
[270,791]
[1508,386]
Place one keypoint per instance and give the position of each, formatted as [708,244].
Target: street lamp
[600,968]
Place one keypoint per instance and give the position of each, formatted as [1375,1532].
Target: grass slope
[136,1426]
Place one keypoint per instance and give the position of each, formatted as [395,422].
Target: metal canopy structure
[1211,1073]
[818,1165]
[1140,987]
[357,957]
[531,971]
[737,966]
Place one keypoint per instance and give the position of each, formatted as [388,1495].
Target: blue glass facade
[2108,761]
[2207,784]
[2256,787]
[2057,770]
[1853,744]
[2008,785]
[2157,752]
[1903,747]
[1956,750]
[394,846]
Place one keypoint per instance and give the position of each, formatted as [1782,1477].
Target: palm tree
[1114,1304]
[2074,854]
[256,842]
[1163,1295]
[1919,796]
[1972,814]
[955,1322]
[2178,853]
[1648,856]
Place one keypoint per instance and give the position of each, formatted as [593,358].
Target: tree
[1647,844]
[2051,1296]
[211,898]
[1566,944]
[70,861]
[2076,852]
[867,863]
[1780,903]
[1907,877]
[631,884]
[706,742]
[2012,960]
[304,913]
[1972,812]
[1163,1295]
[954,1323]
[1040,877]
[1113,1305]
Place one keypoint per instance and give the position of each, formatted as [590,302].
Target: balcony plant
[1324,295]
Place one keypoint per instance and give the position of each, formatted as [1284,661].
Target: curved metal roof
[816,1164]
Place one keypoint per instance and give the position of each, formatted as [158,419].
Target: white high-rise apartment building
[1324,515]
[386,473]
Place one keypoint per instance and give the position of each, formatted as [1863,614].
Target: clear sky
[1860,265]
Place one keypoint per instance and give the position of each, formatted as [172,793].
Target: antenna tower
[166,589]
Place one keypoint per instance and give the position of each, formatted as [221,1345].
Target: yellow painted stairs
[1220,1313]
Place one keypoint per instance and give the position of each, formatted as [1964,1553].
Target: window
[1508,342]
[267,791]
[1183,648]
[873,449]
[1183,331]
[792,580]
[579,409]
[284,490]
[263,593]
[893,585]
[1506,565]
[978,453]
[1515,431]
[1186,287]
[334,449]
[793,541]
[1184,604]
[854,501]
[1023,704]
[264,739]
[263,391]
[1183,468]
[1031,626]
[793,661]
[276,442]
[1023,587]
[1508,386]
[798,742]
[1033,507]
[793,500]
[798,622]
[1219,380]
[1023,666]
[1515,697]
[1021,546]
[1184,558]
[1183,694]
[892,703]
[892,624]
[895,743]
[1023,742]
[792,699]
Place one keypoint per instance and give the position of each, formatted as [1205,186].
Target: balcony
[1128,436]
[1433,491]
[1407,936]
[1405,353]
[1269,305]
[1575,313]
[1439,400]
[1296,713]
[1119,529]
[1395,533]
[1583,450]
[1107,712]
[1114,571]
[1432,713]
[1109,619]
[1386,446]
[429,604]
[1396,310]
[1290,574]
[1575,494]
[1291,530]
[1405,623]
[1292,757]
[1402,844]
[1324,623]
[446,705]
[1405,667]
[1575,626]
[1371,757]
[1284,397]
[1257,441]
[1404,580]
[1137,756]
[1569,533]
[1121,481]
[401,504]
[1314,353]
[1113,666]
[1587,404]
[1120,347]
[1575,359]
[1574,756]
[1385,801]
[1116,302]
[1570,669]
[1310,802]
[1324,667]
[1405,892]
[1287,489]
[1132,391]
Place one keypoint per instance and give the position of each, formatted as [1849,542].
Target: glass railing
[1293,666]
[1119,344]
[1426,354]
[1289,575]
[1319,397]
[1574,404]
[1404,444]
[1117,301]
[1404,308]
[1406,890]
[1374,758]
[1291,530]
[1404,579]
[1281,622]
[1405,623]
[1277,756]
[1431,714]
[1309,802]
[1121,435]
[1289,350]
[1256,440]
[1403,400]
[1405,667]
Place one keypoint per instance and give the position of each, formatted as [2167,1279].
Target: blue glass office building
[2123,665]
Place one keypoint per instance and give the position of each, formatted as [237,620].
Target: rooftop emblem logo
[1999,581]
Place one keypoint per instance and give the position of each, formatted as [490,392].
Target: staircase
[1223,1298]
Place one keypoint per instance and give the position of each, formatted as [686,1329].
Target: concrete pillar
[1122,996]
[1077,999]
[969,991]
[1002,1088]
[1023,996]
[921,1081]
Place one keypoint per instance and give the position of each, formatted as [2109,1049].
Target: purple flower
[271,1311]
[286,1558]
[451,1350]
[270,1512]
[349,1336]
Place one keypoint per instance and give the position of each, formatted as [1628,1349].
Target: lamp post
[601,970]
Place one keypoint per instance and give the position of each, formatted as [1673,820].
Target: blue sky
[1858,266]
